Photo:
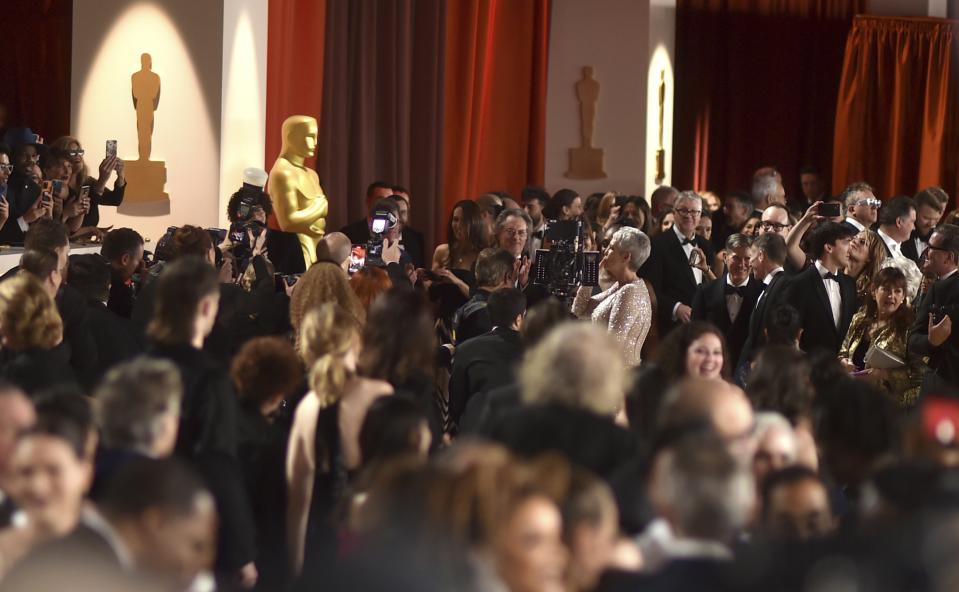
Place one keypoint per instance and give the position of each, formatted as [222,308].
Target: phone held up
[830,209]
[111,148]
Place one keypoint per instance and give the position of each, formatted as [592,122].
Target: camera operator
[248,211]
[123,248]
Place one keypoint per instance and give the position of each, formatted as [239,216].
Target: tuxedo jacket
[755,338]
[909,249]
[709,304]
[413,243]
[944,359]
[668,270]
[807,294]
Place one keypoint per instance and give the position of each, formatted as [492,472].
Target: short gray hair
[633,241]
[576,365]
[853,192]
[512,213]
[764,185]
[710,493]
[738,241]
[689,196]
[767,421]
[133,399]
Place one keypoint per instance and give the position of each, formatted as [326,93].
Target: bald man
[335,247]
[721,404]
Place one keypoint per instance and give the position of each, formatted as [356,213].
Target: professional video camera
[566,265]
[382,222]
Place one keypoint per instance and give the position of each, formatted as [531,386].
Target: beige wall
[185,38]
[613,37]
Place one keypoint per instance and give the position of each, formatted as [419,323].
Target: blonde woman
[32,329]
[80,176]
[324,442]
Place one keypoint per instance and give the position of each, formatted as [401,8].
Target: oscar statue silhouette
[145,178]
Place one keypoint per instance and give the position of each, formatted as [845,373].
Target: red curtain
[294,66]
[37,38]
[756,85]
[495,99]
[897,120]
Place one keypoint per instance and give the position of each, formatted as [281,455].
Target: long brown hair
[477,237]
[891,277]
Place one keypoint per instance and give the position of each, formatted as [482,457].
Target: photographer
[249,209]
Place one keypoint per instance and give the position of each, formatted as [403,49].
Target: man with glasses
[776,219]
[673,267]
[931,335]
[862,207]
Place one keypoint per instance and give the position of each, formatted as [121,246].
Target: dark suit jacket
[709,304]
[908,247]
[207,437]
[115,338]
[807,294]
[943,360]
[755,338]
[668,270]
[72,306]
[22,193]
[481,364]
[36,369]
[122,296]
[413,243]
[677,575]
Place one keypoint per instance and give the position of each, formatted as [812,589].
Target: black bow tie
[737,290]
[688,241]
[831,276]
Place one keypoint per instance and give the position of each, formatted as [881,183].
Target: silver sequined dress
[625,311]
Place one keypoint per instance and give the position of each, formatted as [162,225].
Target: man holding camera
[931,335]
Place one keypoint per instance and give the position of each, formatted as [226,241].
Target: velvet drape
[897,119]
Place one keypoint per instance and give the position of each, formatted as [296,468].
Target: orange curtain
[896,120]
[294,66]
[495,97]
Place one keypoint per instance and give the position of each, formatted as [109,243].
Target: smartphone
[111,148]
[48,187]
[829,210]
[85,192]
[938,312]
[357,258]
[57,186]
[694,259]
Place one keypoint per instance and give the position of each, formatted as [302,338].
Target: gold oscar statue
[298,200]
[145,178]
[586,162]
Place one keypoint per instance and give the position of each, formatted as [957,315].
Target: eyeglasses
[7,168]
[869,201]
[76,153]
[690,213]
[775,226]
[515,233]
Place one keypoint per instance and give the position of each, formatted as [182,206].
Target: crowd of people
[760,394]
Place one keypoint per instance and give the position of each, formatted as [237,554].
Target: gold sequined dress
[625,311]
[902,384]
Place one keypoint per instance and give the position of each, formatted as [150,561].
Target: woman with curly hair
[324,282]
[866,254]
[32,329]
[324,445]
[368,284]
[880,329]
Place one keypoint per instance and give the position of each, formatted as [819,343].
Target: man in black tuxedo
[936,339]
[930,206]
[411,240]
[823,295]
[862,207]
[897,220]
[668,268]
[123,249]
[728,302]
[154,529]
[488,361]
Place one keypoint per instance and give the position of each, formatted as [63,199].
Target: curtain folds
[896,121]
[294,72]
[495,95]
[756,85]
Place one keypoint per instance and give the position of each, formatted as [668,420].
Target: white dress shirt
[891,244]
[734,302]
[855,223]
[832,290]
[697,273]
